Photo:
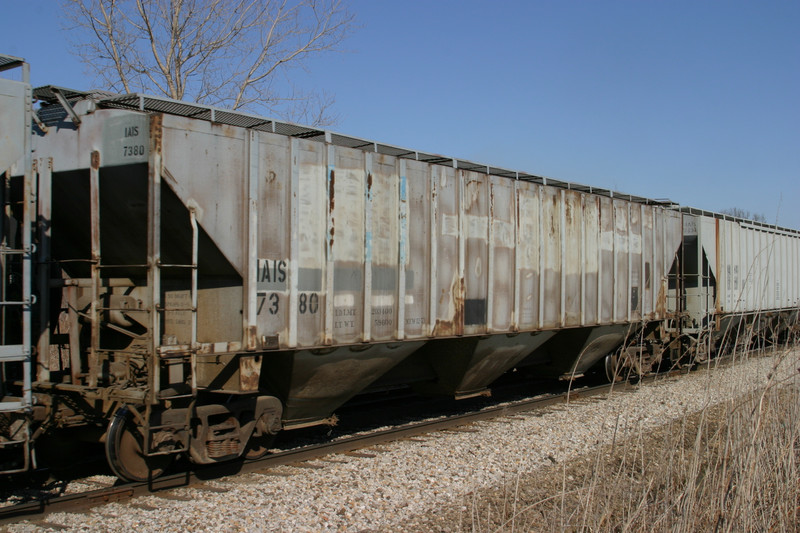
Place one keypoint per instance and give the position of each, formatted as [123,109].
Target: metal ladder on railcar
[163,351]
[16,299]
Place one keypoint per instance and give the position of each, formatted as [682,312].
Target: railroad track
[80,502]
[349,444]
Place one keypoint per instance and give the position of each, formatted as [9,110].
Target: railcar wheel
[124,445]
[612,368]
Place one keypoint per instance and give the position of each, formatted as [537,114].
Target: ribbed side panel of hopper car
[356,247]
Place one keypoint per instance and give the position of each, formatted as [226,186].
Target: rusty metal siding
[607,263]
[13,134]
[673,236]
[635,263]
[384,216]
[528,254]
[348,246]
[417,298]
[448,296]
[355,246]
[572,266]
[274,238]
[502,268]
[648,261]
[659,271]
[551,245]
[621,261]
[475,211]
[591,243]
[205,164]
[309,196]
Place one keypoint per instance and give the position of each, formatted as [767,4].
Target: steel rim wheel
[612,369]
[124,450]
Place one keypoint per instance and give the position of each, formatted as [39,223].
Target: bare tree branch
[231,53]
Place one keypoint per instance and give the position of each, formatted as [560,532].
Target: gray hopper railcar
[189,280]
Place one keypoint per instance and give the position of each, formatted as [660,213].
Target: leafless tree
[744,213]
[236,54]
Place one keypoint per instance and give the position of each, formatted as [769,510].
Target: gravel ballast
[386,487]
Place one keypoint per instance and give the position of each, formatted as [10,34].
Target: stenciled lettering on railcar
[271,275]
[345,318]
[177,316]
[269,303]
[307,303]
[382,316]
[132,145]
[126,140]
[136,149]
[271,280]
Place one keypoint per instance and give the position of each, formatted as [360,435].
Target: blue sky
[695,101]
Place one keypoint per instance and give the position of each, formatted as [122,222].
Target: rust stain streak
[331,189]
[458,318]
[249,372]
[155,132]
[661,301]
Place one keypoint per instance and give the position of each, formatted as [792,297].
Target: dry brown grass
[730,467]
